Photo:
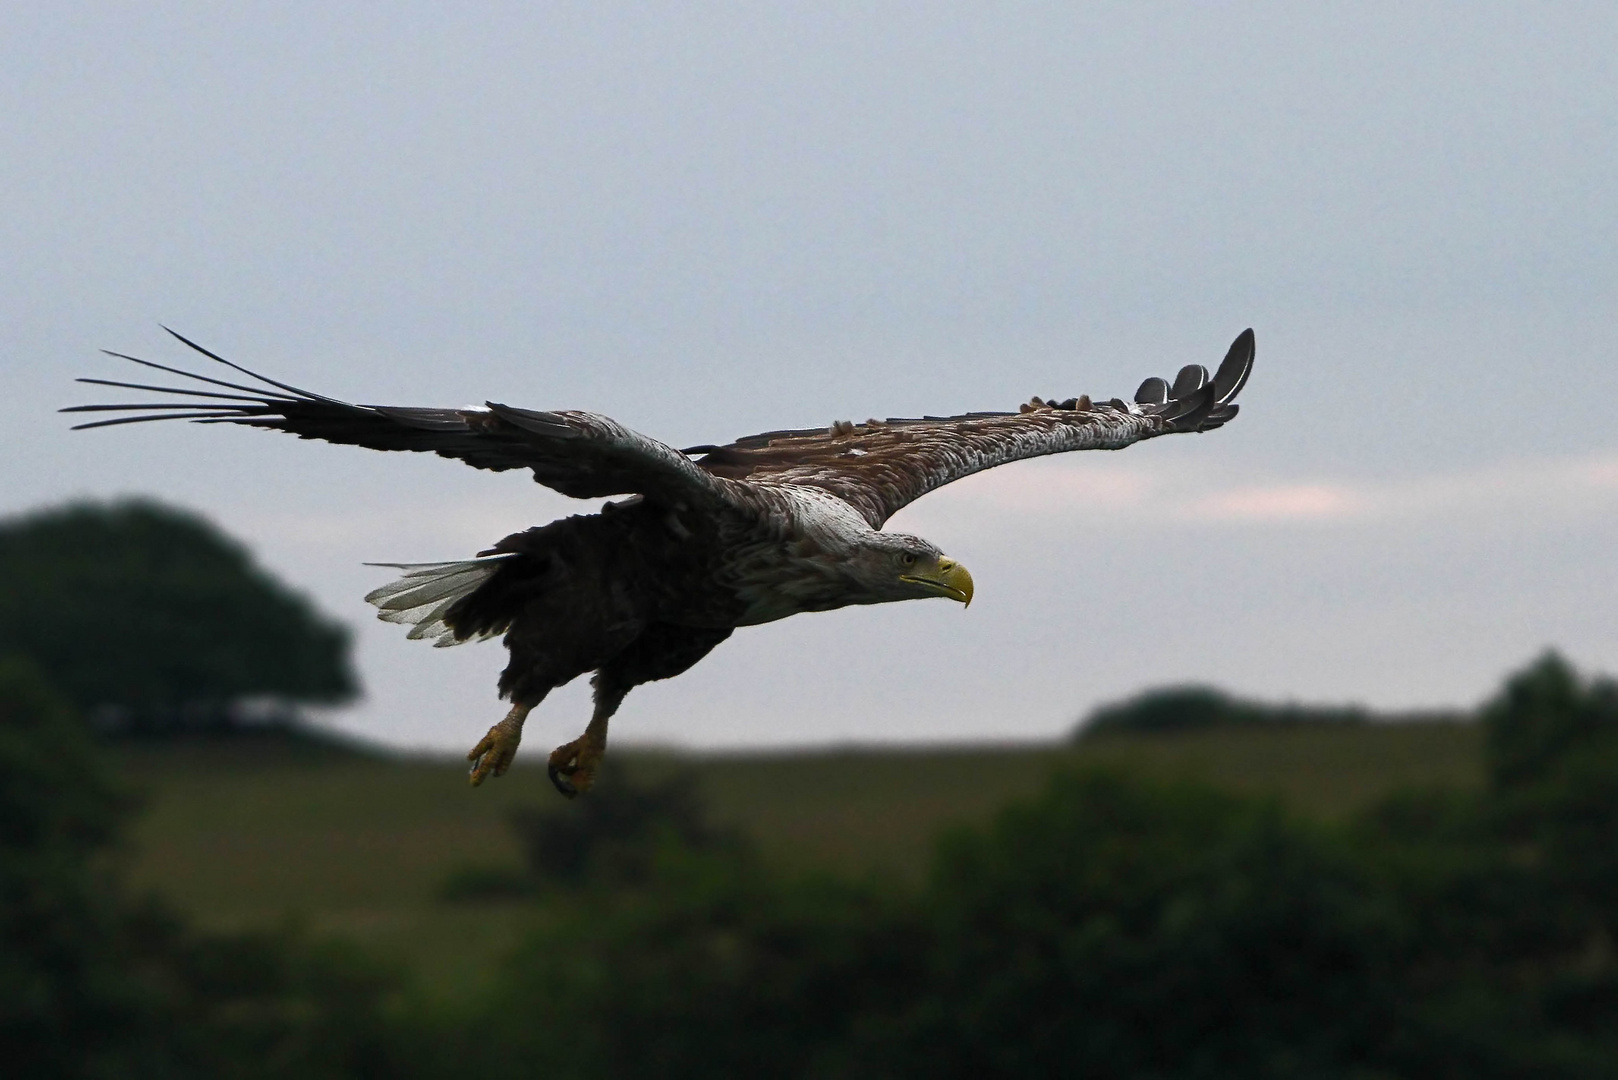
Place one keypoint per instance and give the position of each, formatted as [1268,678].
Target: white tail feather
[425,593]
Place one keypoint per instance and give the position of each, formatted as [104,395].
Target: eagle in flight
[702,541]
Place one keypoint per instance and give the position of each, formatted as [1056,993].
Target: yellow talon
[494,753]
[573,765]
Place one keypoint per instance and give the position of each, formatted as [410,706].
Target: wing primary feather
[177,390]
[200,378]
[252,374]
[1183,408]
[138,405]
[1222,415]
[1192,377]
[164,416]
[540,423]
[1235,368]
[425,419]
[1153,391]
[1203,405]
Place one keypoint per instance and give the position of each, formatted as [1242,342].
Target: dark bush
[716,968]
[615,833]
[1543,715]
[1116,928]
[70,1002]
[94,984]
[610,839]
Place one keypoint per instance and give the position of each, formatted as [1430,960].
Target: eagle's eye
[908,558]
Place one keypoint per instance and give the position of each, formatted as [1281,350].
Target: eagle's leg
[573,765]
[493,754]
[662,651]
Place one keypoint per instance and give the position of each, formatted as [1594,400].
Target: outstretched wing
[581,454]
[882,465]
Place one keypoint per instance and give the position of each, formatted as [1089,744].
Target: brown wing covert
[883,465]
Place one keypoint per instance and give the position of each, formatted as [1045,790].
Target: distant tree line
[1108,927]
[1184,708]
[1116,927]
[151,620]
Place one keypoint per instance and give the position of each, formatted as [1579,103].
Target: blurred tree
[1541,716]
[614,838]
[271,1005]
[1182,708]
[94,985]
[611,839]
[1112,927]
[150,618]
[1553,758]
[66,1001]
[1492,963]
[1510,894]
[1117,928]
[718,968]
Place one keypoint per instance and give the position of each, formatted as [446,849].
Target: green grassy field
[349,844]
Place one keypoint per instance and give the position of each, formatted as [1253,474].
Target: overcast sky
[712,220]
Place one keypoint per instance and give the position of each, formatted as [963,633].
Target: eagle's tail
[426,592]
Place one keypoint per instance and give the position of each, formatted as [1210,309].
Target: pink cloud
[1285,502]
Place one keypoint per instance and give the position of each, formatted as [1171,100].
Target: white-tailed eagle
[709,538]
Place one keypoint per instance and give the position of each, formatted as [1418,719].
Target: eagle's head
[894,566]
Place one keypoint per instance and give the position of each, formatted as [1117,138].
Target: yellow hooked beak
[949,578]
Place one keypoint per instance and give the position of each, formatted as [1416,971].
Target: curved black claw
[572,766]
[560,778]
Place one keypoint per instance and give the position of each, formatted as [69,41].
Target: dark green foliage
[266,1005]
[153,618]
[1114,928]
[1108,927]
[1180,708]
[1543,716]
[95,985]
[1575,822]
[67,1007]
[478,883]
[613,836]
[1553,757]
[718,968]
[609,839]
[56,801]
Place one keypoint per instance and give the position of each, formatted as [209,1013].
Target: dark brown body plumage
[616,592]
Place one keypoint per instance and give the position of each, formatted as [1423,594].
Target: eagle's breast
[796,558]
